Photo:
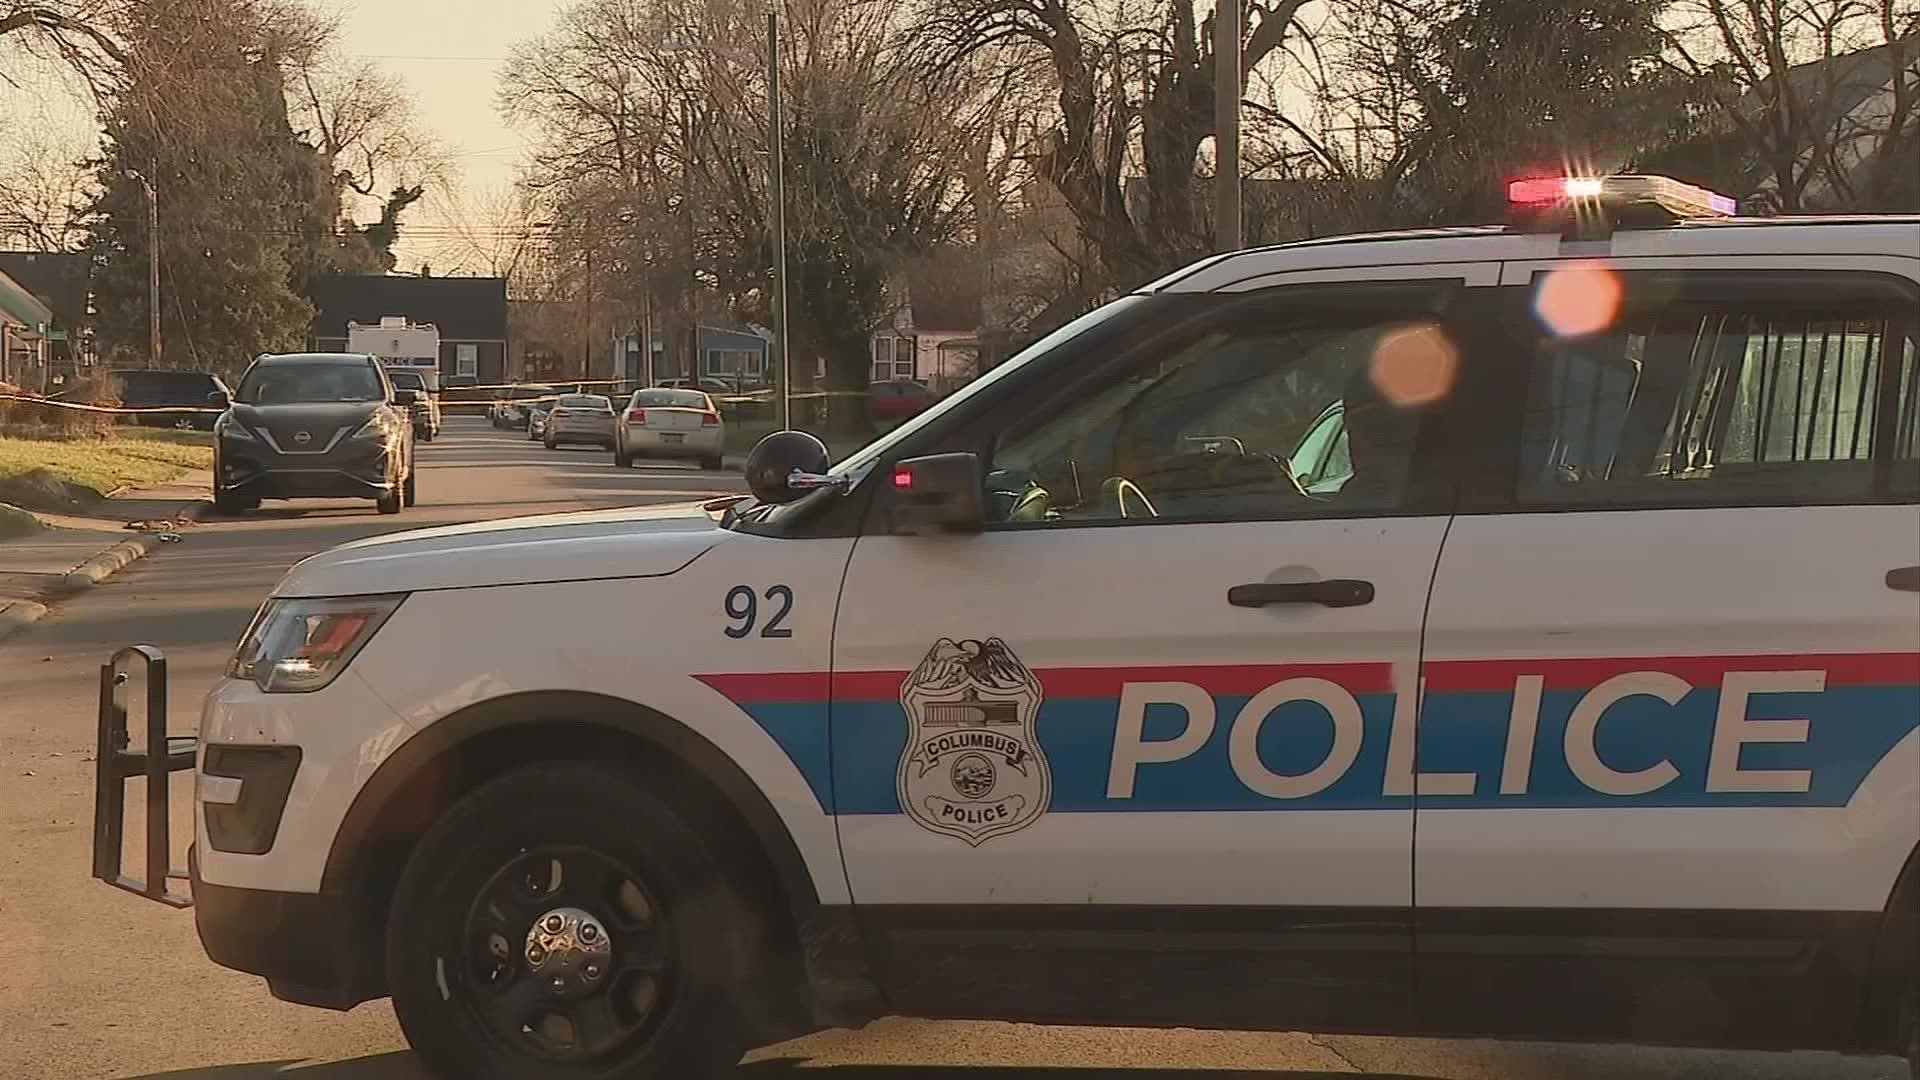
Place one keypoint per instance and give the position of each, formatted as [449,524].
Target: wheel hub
[568,950]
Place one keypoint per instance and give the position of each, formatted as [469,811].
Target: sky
[449,52]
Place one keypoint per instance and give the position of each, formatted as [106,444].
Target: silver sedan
[669,423]
[579,418]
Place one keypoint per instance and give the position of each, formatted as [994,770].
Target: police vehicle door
[1158,695]
[1673,655]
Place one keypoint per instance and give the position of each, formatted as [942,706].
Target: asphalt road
[95,983]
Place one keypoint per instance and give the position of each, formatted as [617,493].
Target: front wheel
[409,491]
[552,443]
[711,463]
[622,459]
[227,504]
[389,503]
[563,921]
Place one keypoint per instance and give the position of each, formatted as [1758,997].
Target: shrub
[75,423]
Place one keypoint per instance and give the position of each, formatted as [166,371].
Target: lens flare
[1577,300]
[1414,365]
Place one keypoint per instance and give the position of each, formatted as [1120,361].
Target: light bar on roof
[1661,193]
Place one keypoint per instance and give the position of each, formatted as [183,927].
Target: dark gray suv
[314,426]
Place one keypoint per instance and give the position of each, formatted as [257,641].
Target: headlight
[298,646]
[228,428]
[376,429]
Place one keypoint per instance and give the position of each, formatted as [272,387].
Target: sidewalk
[72,553]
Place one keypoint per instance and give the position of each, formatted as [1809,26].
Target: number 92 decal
[743,608]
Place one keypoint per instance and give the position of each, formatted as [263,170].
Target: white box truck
[411,354]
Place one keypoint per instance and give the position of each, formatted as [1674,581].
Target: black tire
[426,434]
[552,443]
[711,463]
[227,504]
[388,503]
[493,844]
[622,460]
[409,491]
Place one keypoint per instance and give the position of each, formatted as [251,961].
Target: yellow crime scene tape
[764,396]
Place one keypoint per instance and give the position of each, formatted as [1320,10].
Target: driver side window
[1242,422]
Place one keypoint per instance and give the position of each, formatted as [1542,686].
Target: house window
[466,361]
[903,349]
[882,358]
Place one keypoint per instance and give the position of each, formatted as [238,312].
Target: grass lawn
[98,466]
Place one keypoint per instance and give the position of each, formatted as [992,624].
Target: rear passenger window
[1706,407]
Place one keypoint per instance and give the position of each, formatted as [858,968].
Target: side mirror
[405,397]
[785,465]
[219,399]
[940,493]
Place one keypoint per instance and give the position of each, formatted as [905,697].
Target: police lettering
[940,745]
[1580,747]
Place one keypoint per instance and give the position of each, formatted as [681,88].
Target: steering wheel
[1117,493]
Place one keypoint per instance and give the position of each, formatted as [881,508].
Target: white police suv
[1507,631]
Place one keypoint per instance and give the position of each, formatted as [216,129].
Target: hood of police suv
[647,541]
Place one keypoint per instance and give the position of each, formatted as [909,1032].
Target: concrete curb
[114,559]
[19,614]
[15,522]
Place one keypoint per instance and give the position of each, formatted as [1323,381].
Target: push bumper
[303,944]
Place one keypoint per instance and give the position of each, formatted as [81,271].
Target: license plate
[673,437]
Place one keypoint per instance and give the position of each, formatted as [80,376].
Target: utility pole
[586,340]
[692,279]
[1226,125]
[783,377]
[153,266]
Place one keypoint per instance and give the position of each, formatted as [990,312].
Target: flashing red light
[1551,189]
[1675,199]
[903,479]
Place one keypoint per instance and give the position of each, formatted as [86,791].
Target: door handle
[1334,592]
[1904,579]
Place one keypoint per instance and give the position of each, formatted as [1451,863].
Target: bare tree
[44,184]
[361,119]
[1822,95]
[1135,92]
[653,130]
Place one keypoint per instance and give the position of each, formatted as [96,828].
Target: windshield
[291,384]
[669,399]
[407,380]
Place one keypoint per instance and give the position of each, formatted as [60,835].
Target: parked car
[187,392]
[671,423]
[517,410]
[314,426]
[426,405]
[711,384]
[537,419]
[579,418]
[897,399]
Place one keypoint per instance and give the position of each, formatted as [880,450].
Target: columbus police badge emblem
[973,767]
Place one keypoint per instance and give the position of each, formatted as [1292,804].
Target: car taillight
[637,416]
[711,419]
